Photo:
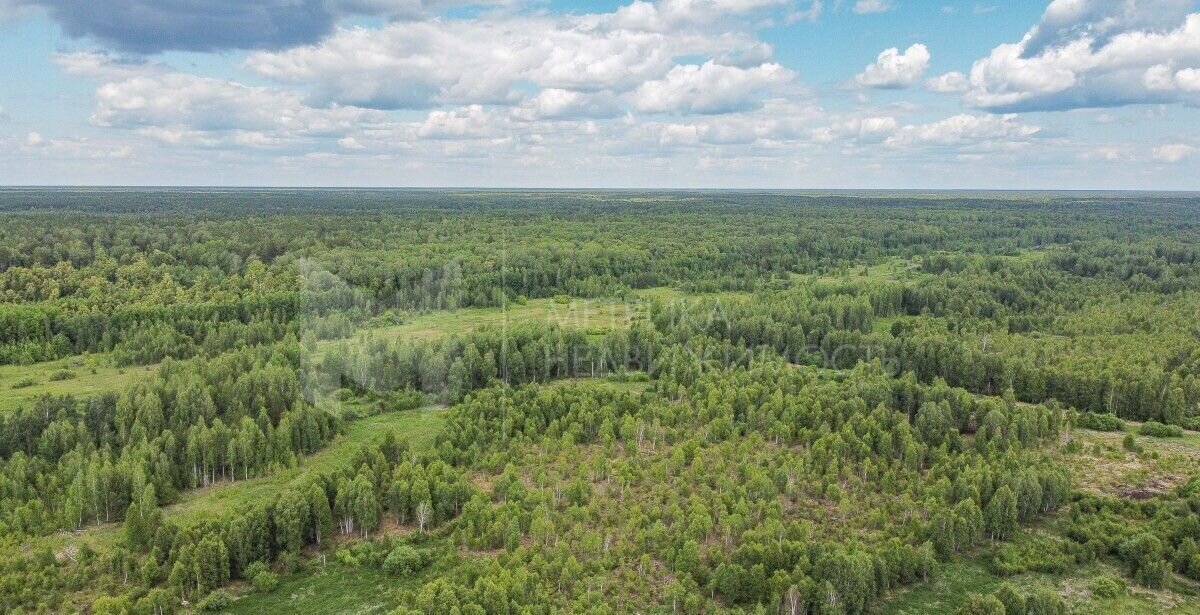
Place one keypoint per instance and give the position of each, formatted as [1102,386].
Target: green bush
[218,600]
[1046,556]
[265,581]
[1130,443]
[23,383]
[982,605]
[1107,586]
[62,374]
[1155,429]
[1045,601]
[1100,422]
[404,561]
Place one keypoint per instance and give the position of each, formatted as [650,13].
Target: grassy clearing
[890,270]
[88,375]
[1103,466]
[419,427]
[575,313]
[588,314]
[331,589]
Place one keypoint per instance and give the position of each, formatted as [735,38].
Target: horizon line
[249,187]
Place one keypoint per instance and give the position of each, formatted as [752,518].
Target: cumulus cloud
[1093,53]
[473,122]
[965,129]
[455,62]
[872,129]
[557,104]
[1173,152]
[777,122]
[666,15]
[951,82]
[709,88]
[175,107]
[1066,21]
[893,69]
[863,7]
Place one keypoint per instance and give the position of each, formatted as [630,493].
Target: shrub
[562,299]
[62,374]
[1155,429]
[981,605]
[23,383]
[1046,556]
[1130,443]
[404,561]
[1013,600]
[255,569]
[1100,422]
[1045,601]
[265,581]
[218,600]
[1107,586]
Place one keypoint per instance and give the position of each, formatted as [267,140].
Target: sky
[887,94]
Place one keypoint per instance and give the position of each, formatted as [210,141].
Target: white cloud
[778,122]
[1164,78]
[863,7]
[1104,154]
[34,139]
[1173,152]
[709,88]
[893,69]
[186,101]
[1093,53]
[473,122]
[491,61]
[871,129]
[965,129]
[177,108]
[948,83]
[810,13]
[667,15]
[557,104]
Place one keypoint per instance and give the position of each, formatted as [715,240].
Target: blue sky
[1069,94]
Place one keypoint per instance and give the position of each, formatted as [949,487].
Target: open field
[85,376]
[329,589]
[1104,466]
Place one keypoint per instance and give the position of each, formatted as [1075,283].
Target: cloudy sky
[640,93]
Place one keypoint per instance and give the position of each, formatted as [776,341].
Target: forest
[474,402]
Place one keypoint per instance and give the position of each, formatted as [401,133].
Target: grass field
[89,375]
[1104,466]
[332,589]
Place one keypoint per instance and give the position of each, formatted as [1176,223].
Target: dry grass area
[1104,466]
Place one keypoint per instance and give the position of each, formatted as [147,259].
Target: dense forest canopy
[541,402]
